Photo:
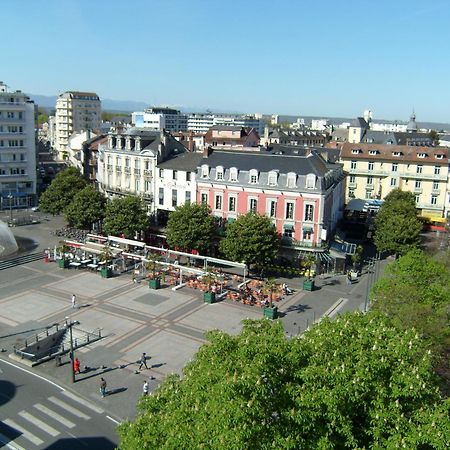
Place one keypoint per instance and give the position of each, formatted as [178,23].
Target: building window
[434,199]
[233,174]
[161,173]
[232,204]
[437,170]
[137,186]
[288,231]
[205,171]
[435,185]
[219,173]
[418,184]
[395,167]
[272,208]
[148,186]
[289,210]
[310,181]
[417,199]
[174,197]
[218,202]
[204,198]
[419,168]
[370,165]
[352,164]
[174,175]
[272,179]
[161,196]
[307,234]
[188,197]
[351,193]
[291,180]
[393,182]
[370,180]
[309,212]
[352,179]
[253,177]
[253,204]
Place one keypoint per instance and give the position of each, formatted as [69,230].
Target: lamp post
[72,355]
[10,197]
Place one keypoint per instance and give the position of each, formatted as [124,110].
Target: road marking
[11,445]
[54,415]
[71,409]
[84,402]
[32,373]
[25,433]
[114,420]
[39,423]
[335,307]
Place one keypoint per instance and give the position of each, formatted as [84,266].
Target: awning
[126,241]
[231,219]
[288,226]
[307,228]
[434,218]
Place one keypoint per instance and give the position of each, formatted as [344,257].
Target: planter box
[209,297]
[63,263]
[154,283]
[308,285]
[106,272]
[271,313]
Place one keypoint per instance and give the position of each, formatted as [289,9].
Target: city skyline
[335,61]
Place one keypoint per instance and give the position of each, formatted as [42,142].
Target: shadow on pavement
[116,391]
[7,391]
[79,443]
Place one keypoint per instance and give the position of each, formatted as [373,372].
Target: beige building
[375,170]
[75,111]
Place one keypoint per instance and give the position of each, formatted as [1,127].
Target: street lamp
[10,197]
[72,355]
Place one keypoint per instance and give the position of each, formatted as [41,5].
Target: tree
[356,382]
[190,227]
[269,287]
[61,192]
[125,215]
[87,207]
[252,238]
[434,135]
[397,228]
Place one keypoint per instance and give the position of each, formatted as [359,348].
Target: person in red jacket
[76,365]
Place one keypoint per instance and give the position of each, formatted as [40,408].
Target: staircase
[20,260]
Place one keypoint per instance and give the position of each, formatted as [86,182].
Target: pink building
[302,194]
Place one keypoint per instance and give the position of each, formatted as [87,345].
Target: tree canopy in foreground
[86,208]
[356,382]
[190,227]
[252,239]
[397,229]
[61,192]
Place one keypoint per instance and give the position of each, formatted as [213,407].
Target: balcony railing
[127,170]
[118,169]
[418,190]
[291,242]
[137,171]
[109,168]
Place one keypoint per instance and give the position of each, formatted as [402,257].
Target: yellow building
[375,170]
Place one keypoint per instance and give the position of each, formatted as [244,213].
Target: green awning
[307,228]
[288,226]
[231,219]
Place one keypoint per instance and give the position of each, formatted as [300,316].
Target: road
[39,414]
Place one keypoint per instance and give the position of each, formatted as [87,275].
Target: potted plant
[270,286]
[106,257]
[307,263]
[152,264]
[209,296]
[63,248]
[356,259]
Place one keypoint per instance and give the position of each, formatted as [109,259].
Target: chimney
[191,141]
[206,152]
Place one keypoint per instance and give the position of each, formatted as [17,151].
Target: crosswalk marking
[42,425]
[11,445]
[83,402]
[54,415]
[71,409]
[25,433]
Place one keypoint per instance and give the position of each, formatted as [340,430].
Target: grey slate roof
[359,122]
[187,162]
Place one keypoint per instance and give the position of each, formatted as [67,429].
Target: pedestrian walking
[102,387]
[74,300]
[143,361]
[76,366]
[145,388]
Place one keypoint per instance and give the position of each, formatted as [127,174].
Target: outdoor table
[101,263]
[75,264]
[92,266]
[86,261]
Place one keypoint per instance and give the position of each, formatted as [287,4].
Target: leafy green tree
[125,215]
[87,207]
[434,135]
[252,239]
[61,192]
[356,382]
[190,227]
[397,228]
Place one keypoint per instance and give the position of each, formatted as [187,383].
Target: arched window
[219,173]
[291,180]
[272,178]
[233,174]
[253,176]
[310,181]
[205,171]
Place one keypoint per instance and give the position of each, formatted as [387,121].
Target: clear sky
[299,57]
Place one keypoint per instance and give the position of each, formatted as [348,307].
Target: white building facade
[75,111]
[158,119]
[17,150]
[201,123]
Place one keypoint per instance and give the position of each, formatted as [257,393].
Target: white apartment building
[17,150]
[127,163]
[75,148]
[157,119]
[75,111]
[201,123]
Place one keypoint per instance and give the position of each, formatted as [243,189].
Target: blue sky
[325,58]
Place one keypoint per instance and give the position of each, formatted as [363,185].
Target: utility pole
[72,354]
[10,197]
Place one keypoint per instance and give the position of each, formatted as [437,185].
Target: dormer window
[439,156]
[233,174]
[291,180]
[310,181]
[397,154]
[253,177]
[272,178]
[422,155]
[219,173]
[373,152]
[205,171]
[356,151]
